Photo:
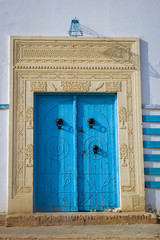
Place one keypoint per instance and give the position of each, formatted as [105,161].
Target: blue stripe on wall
[4,106]
[152,171]
[151,131]
[151,144]
[152,184]
[151,157]
[151,118]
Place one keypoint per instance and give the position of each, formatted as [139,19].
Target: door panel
[68,175]
[97,188]
[54,188]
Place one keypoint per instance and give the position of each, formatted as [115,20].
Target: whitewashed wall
[118,18]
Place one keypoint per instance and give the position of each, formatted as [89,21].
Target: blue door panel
[68,175]
[54,175]
[97,187]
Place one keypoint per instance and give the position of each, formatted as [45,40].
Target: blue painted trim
[117,152]
[151,144]
[152,184]
[151,118]
[152,157]
[75,151]
[75,94]
[152,171]
[4,106]
[151,131]
[34,154]
[151,107]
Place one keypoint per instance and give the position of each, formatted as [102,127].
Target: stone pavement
[113,232]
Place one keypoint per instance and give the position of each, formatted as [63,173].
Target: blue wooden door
[97,170]
[69,173]
[54,178]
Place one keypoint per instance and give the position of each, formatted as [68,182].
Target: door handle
[95,149]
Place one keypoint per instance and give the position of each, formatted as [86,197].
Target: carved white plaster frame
[92,65]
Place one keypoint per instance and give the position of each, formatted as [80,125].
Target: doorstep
[79,219]
[2,219]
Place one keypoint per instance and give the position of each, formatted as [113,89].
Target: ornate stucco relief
[75,86]
[37,66]
[29,117]
[123,154]
[112,86]
[68,52]
[38,86]
[29,155]
[122,117]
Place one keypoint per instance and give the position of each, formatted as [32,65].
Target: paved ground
[113,232]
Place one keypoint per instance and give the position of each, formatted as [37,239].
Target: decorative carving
[100,85]
[76,86]
[52,86]
[20,118]
[67,53]
[29,117]
[38,86]
[123,154]
[29,155]
[131,151]
[118,52]
[122,117]
[112,86]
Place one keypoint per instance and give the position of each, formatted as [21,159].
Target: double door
[75,153]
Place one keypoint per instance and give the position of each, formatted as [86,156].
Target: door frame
[75,65]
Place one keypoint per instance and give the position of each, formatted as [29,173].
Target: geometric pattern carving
[112,86]
[75,86]
[74,53]
[29,155]
[29,117]
[123,154]
[38,86]
[122,117]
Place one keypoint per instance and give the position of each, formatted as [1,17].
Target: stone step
[79,219]
[2,219]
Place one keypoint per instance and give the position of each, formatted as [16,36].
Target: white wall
[118,18]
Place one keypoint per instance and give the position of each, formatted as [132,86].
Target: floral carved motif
[122,117]
[38,86]
[123,154]
[112,86]
[76,86]
[29,155]
[29,117]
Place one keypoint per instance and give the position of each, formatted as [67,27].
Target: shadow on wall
[147,71]
[145,85]
[152,201]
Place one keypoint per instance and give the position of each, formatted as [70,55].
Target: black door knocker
[59,122]
[90,122]
[95,149]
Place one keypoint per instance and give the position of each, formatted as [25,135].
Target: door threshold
[79,219]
